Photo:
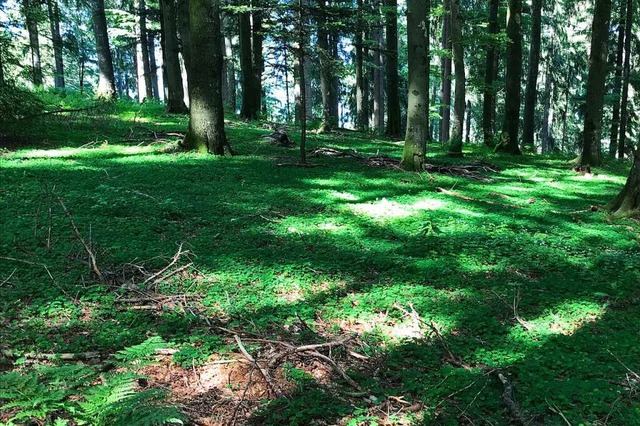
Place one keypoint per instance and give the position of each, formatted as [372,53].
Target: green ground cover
[518,275]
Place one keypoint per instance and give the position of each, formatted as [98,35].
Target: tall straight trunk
[455,142]
[489,96]
[144,47]
[361,109]
[325,62]
[509,137]
[624,103]
[334,100]
[467,139]
[153,64]
[2,80]
[257,38]
[378,77]
[591,152]
[175,92]
[206,120]
[249,109]
[106,82]
[29,8]
[163,51]
[531,92]
[393,97]
[300,53]
[617,81]
[230,74]
[415,143]
[547,115]
[445,68]
[56,39]
[184,32]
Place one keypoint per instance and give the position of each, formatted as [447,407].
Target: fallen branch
[265,373]
[92,256]
[8,353]
[174,260]
[510,402]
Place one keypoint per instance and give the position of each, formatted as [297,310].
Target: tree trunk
[509,137]
[547,115]
[31,17]
[617,81]
[468,126]
[300,53]
[627,203]
[445,67]
[624,103]
[415,144]
[455,142]
[361,110]
[256,48]
[106,82]
[490,71]
[378,77]
[175,95]
[249,109]
[230,75]
[325,62]
[56,39]
[153,65]
[2,80]
[144,47]
[184,31]
[393,97]
[591,152]
[206,120]
[531,92]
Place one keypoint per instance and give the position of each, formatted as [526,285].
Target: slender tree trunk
[531,92]
[361,110]
[206,121]
[378,77]
[153,65]
[184,31]
[468,126]
[30,11]
[488,105]
[106,82]
[445,68]
[591,152]
[325,62]
[249,109]
[144,47]
[302,38]
[334,100]
[617,82]
[175,95]
[256,48]
[2,80]
[509,137]
[56,39]
[230,71]
[393,98]
[455,142]
[415,144]
[624,103]
[547,115]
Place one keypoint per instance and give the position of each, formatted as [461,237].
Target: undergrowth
[521,275]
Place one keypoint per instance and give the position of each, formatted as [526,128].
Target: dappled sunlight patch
[565,319]
[84,152]
[386,209]
[467,212]
[344,196]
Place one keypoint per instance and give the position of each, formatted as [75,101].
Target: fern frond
[140,355]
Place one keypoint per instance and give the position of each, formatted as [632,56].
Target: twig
[336,368]
[175,259]
[92,257]
[559,412]
[274,387]
[244,394]
[170,274]
[633,373]
[6,280]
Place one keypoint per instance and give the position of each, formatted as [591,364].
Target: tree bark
[184,31]
[547,115]
[326,66]
[361,109]
[106,82]
[415,144]
[230,75]
[445,67]
[153,64]
[624,103]
[531,92]
[591,152]
[393,97]
[141,9]
[378,76]
[206,120]
[251,62]
[627,203]
[509,137]
[617,81]
[56,39]
[488,105]
[29,8]
[455,142]
[2,80]
[175,95]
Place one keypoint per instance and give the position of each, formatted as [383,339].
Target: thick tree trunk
[30,11]
[141,9]
[415,144]
[393,98]
[509,137]
[56,39]
[617,81]
[624,103]
[531,92]
[445,67]
[106,82]
[488,105]
[455,142]
[206,121]
[591,153]
[175,95]
[627,203]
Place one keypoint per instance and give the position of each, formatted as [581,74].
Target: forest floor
[491,290]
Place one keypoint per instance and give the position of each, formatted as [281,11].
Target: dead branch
[510,402]
[174,260]
[80,356]
[336,368]
[265,373]
[92,256]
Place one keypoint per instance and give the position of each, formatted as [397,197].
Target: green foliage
[197,351]
[141,355]
[17,103]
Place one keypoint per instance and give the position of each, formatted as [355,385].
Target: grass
[338,248]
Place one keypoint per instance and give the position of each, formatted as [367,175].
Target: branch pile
[473,171]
